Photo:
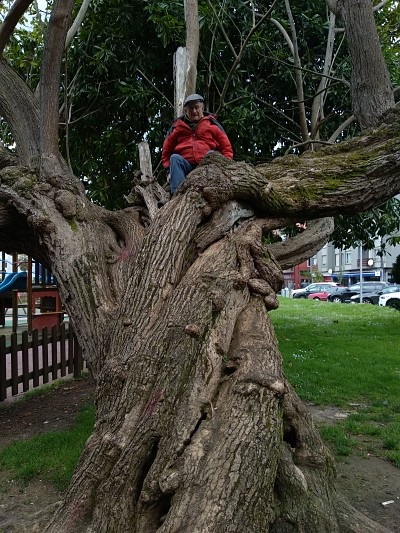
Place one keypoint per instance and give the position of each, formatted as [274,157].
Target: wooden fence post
[3,354]
[14,364]
[45,353]
[54,352]
[78,360]
[35,357]
[63,360]
[25,361]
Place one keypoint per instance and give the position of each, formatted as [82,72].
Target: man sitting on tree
[190,138]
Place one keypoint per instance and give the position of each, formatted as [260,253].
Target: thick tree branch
[342,178]
[371,89]
[192,43]
[20,109]
[185,58]
[51,160]
[297,249]
[11,20]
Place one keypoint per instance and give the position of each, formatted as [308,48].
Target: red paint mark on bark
[125,252]
[152,404]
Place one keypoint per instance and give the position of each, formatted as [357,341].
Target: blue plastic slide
[15,280]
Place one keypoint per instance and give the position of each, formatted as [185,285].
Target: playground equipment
[15,281]
[42,304]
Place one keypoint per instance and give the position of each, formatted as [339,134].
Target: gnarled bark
[197,428]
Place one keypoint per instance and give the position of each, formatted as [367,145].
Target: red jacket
[194,144]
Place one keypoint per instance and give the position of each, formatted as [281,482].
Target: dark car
[344,295]
[373,297]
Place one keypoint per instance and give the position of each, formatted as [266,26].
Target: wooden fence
[31,360]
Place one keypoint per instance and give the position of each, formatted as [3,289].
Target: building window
[324,260]
[337,260]
[348,258]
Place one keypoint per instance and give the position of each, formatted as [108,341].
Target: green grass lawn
[334,354]
[346,355]
[52,455]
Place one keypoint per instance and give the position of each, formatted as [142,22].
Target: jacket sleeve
[168,147]
[224,144]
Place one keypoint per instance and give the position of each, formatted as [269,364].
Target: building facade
[354,264]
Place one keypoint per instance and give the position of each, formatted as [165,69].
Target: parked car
[373,297]
[344,295]
[313,287]
[390,300]
[323,295]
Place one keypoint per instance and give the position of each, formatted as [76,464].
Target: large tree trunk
[197,429]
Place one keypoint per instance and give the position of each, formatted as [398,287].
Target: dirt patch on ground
[54,409]
[372,485]
[22,505]
[369,483]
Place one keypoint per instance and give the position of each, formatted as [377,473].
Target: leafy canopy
[118,87]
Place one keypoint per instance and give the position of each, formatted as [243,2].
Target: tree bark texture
[19,106]
[51,160]
[371,90]
[185,58]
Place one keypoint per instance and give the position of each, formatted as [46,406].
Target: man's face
[194,111]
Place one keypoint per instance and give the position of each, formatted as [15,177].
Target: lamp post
[361,274]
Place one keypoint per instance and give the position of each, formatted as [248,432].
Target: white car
[315,287]
[390,300]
